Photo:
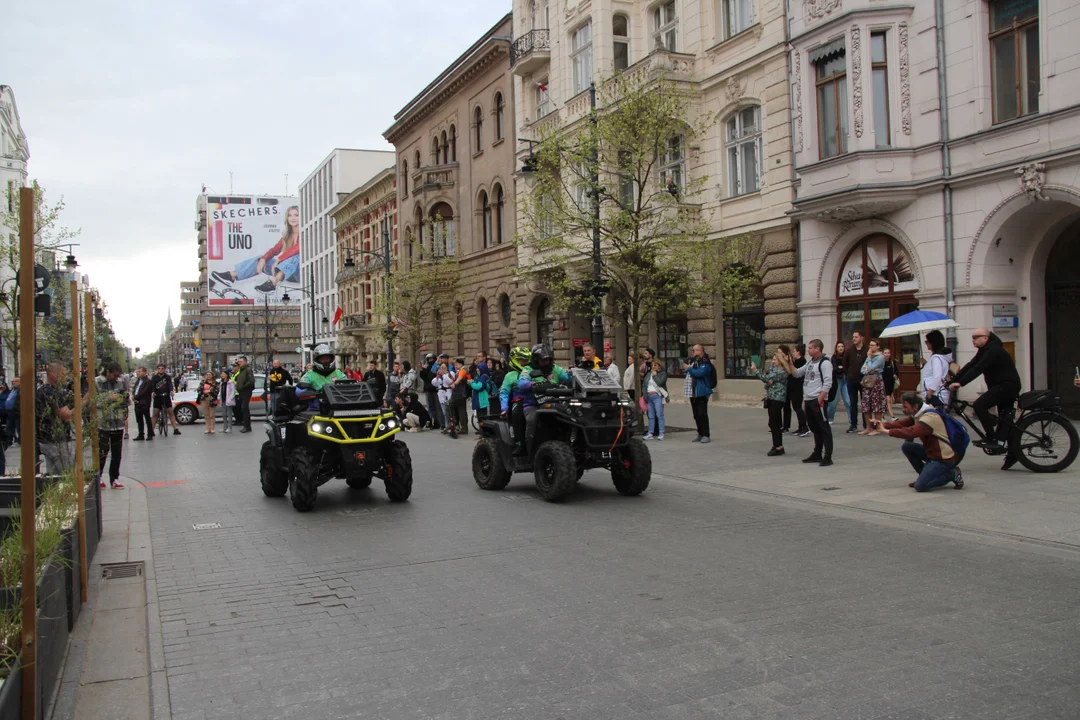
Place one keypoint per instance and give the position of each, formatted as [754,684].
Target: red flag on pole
[337,315]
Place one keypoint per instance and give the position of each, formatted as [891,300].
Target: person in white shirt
[612,368]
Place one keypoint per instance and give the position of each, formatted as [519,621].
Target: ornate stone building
[455,147]
[732,52]
[970,205]
[366,220]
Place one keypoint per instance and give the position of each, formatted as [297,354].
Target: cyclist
[994,363]
[511,399]
[323,370]
[540,373]
[161,385]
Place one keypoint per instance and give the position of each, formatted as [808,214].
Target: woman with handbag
[873,389]
[775,379]
[207,399]
[654,389]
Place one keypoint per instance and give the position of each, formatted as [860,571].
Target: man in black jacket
[279,377]
[144,396]
[430,392]
[376,379]
[994,363]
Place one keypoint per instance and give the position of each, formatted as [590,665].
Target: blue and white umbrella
[916,322]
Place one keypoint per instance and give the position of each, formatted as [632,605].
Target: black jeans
[433,408]
[819,425]
[700,406]
[460,412]
[776,410]
[794,400]
[142,414]
[243,409]
[110,442]
[1002,397]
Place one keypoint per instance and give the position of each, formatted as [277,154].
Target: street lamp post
[310,290]
[597,288]
[385,257]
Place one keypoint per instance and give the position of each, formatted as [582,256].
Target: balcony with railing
[354,321]
[530,51]
[434,177]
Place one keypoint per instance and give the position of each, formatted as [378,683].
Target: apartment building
[936,151]
[14,156]
[732,53]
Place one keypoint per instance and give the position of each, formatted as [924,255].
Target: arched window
[478,129]
[435,151]
[545,323]
[504,310]
[532,15]
[498,212]
[485,219]
[417,160]
[500,111]
[419,240]
[445,148]
[742,138]
[453,144]
[485,341]
[404,177]
[878,283]
[672,168]
[620,28]
[442,230]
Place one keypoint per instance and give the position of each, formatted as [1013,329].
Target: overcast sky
[130,107]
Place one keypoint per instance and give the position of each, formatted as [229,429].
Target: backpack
[712,376]
[12,399]
[489,387]
[821,373]
[958,434]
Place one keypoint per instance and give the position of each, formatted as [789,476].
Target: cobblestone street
[691,601]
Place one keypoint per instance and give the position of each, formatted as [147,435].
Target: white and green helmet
[323,360]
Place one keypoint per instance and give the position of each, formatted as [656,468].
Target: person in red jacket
[934,460]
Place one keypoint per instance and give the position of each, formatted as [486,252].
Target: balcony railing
[434,177]
[531,48]
[357,321]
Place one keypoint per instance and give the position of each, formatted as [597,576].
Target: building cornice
[843,18]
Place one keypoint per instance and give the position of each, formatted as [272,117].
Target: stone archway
[1063,316]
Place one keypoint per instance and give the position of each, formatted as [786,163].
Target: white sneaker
[647,436]
[660,436]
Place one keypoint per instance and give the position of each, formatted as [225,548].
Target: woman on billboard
[281,262]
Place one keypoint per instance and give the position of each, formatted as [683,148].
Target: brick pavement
[692,601]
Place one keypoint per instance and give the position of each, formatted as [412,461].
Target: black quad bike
[587,425]
[342,432]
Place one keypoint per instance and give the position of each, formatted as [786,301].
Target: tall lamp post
[385,257]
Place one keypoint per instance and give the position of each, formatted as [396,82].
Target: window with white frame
[627,182]
[583,187]
[830,71]
[620,29]
[743,142]
[880,82]
[672,168]
[581,57]
[665,22]
[500,112]
[1014,58]
[738,15]
[541,99]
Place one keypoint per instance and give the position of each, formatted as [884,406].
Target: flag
[337,316]
[542,86]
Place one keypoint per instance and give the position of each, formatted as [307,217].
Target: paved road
[691,601]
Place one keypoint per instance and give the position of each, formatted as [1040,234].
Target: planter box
[93,521]
[11,495]
[11,693]
[52,629]
[72,574]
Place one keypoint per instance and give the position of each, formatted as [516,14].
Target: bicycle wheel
[1044,442]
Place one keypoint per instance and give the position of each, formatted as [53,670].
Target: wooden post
[76,356]
[28,453]
[91,364]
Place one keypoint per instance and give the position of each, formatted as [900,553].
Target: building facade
[14,157]
[365,222]
[339,173]
[253,330]
[732,53]
[970,205]
[455,145]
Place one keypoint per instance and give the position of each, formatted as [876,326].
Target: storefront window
[744,342]
[671,345]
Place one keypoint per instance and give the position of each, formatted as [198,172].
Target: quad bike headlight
[316,427]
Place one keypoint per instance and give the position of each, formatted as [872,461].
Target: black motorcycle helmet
[324,361]
[542,358]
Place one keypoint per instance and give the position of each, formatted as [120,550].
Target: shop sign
[1006,322]
[1006,310]
[879,314]
[851,316]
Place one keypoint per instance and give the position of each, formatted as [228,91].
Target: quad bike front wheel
[555,470]
[398,472]
[303,482]
[633,470]
[487,466]
[272,476]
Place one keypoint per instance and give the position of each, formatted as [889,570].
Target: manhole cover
[121,570]
[207,526]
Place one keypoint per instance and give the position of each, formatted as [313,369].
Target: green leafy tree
[623,171]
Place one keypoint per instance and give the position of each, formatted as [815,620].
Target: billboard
[252,249]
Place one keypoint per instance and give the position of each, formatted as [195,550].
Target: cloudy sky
[131,107]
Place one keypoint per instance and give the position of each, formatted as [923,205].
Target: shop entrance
[878,284]
[1063,317]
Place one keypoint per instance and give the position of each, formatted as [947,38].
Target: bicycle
[163,422]
[1042,439]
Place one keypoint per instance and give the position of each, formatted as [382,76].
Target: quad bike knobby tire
[399,472]
[487,466]
[303,484]
[272,477]
[632,473]
[555,470]
[359,481]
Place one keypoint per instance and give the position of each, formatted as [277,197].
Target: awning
[828,51]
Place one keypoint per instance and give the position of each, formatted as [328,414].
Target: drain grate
[121,570]
[207,526]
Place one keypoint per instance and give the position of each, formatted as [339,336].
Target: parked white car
[188,411]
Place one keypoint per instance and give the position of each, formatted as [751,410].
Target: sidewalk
[870,474]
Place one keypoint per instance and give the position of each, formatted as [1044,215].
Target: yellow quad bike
[342,432]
